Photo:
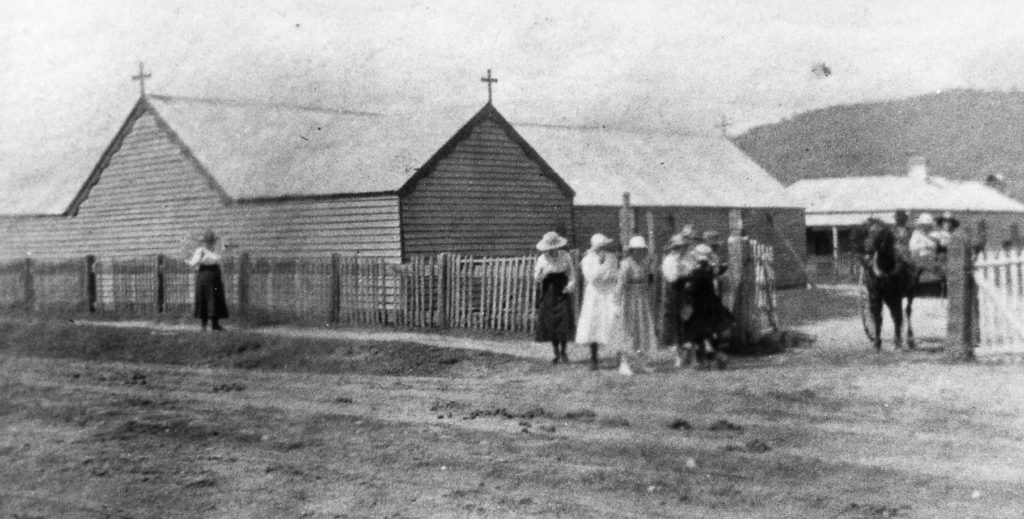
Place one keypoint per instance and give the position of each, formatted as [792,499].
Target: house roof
[257,150]
[840,201]
[657,169]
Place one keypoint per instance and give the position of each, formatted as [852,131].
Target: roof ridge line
[259,103]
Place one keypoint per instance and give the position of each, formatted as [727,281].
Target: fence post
[961,320]
[90,282]
[160,287]
[243,284]
[335,312]
[442,290]
[29,285]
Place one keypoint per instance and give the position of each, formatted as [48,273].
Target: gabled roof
[886,194]
[255,151]
[657,169]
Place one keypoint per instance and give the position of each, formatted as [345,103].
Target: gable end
[488,112]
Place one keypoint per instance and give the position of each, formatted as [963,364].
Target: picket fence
[443,291]
[999,280]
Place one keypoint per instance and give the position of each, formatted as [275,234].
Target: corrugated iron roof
[884,194]
[267,151]
[657,169]
[260,150]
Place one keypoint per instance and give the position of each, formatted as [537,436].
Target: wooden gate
[999,279]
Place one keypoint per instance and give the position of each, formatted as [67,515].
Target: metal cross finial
[141,78]
[489,80]
[723,125]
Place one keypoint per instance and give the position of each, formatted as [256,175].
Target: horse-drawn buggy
[889,276]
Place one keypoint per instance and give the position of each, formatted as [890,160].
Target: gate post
[961,320]
[739,289]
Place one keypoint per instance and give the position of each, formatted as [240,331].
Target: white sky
[65,65]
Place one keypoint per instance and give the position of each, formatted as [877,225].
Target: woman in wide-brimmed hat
[600,271]
[638,335]
[555,275]
[210,303]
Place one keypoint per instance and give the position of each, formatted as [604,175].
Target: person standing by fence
[639,337]
[210,304]
[597,319]
[674,269]
[555,274]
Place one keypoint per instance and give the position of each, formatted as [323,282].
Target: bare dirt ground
[162,422]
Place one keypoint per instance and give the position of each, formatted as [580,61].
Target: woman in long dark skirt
[708,318]
[556,275]
[210,301]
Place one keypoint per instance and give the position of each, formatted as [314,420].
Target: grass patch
[243,349]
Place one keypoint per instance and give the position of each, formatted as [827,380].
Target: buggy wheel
[865,307]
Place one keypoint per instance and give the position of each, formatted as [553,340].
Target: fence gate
[999,278]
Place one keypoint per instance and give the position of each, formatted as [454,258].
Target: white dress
[598,312]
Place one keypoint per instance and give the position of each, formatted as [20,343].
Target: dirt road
[822,431]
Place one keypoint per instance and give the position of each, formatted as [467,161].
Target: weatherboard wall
[153,198]
[485,197]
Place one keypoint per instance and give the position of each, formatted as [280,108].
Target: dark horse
[888,277]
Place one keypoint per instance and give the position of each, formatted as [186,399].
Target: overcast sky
[65,66]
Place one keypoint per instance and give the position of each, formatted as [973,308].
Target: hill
[963,134]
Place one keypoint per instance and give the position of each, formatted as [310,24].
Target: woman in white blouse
[210,302]
[555,275]
[598,316]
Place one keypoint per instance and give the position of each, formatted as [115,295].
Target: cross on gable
[141,78]
[723,125]
[489,80]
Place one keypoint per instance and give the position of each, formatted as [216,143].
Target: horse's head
[875,239]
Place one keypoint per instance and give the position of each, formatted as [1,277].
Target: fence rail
[443,291]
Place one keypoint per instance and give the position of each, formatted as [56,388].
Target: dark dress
[675,300]
[555,321]
[709,317]
[210,301]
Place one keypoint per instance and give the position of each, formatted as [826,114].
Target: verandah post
[961,319]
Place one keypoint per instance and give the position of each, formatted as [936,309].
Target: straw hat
[551,241]
[637,242]
[600,241]
[702,252]
[925,219]
[208,237]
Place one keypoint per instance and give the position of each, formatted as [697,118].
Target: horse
[889,278]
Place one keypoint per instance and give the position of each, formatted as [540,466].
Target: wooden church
[287,180]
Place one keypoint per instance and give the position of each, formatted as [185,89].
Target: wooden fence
[443,291]
[998,276]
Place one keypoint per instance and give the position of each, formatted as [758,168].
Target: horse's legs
[895,303]
[875,307]
[910,328]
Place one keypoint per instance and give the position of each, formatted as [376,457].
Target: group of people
[616,310]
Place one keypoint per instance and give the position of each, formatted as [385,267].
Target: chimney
[917,168]
[997,182]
